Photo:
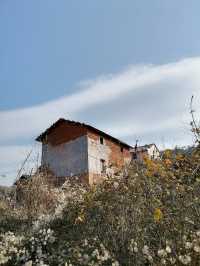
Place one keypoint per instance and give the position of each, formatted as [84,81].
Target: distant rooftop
[145,147]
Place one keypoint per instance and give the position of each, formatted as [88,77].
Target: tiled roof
[91,128]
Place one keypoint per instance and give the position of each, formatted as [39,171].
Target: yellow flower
[158,215]
[80,219]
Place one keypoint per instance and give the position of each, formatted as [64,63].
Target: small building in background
[72,148]
[150,151]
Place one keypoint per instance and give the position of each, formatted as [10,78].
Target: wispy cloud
[148,102]
[30,121]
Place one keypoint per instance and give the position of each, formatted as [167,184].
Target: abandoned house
[150,151]
[74,149]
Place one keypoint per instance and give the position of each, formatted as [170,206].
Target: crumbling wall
[114,155]
[96,153]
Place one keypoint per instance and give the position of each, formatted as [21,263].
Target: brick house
[71,148]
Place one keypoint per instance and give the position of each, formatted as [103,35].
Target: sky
[127,67]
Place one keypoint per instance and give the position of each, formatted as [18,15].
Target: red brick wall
[117,158]
[64,133]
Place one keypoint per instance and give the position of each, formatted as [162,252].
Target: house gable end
[62,132]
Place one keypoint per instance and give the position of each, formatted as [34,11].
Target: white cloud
[149,102]
[30,121]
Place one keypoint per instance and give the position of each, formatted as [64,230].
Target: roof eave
[88,127]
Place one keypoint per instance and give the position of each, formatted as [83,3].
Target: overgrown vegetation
[148,214]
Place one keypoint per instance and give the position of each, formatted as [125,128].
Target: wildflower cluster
[11,248]
[39,246]
[147,214]
[90,252]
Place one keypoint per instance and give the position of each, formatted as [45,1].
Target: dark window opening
[134,156]
[103,166]
[153,156]
[122,149]
[101,140]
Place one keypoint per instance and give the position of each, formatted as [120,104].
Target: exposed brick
[64,133]
[117,157]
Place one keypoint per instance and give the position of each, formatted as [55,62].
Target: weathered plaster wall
[109,151]
[70,151]
[66,159]
[96,153]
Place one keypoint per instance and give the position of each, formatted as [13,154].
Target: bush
[146,215]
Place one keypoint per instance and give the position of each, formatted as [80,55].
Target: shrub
[146,215]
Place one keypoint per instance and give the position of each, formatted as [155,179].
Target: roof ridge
[61,120]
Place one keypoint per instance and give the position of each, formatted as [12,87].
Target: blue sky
[128,67]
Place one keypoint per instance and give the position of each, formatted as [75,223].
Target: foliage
[35,196]
[149,214]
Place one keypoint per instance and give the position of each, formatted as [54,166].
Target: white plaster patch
[96,153]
